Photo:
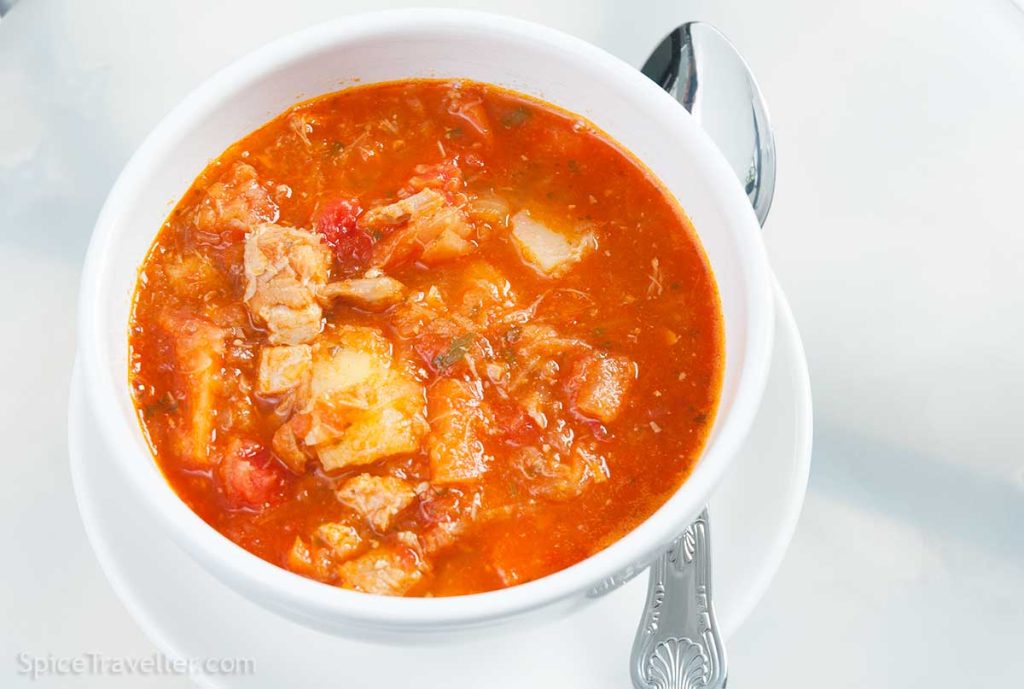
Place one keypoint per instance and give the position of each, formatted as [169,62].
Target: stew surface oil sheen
[426,338]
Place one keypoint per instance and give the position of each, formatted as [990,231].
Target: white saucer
[190,615]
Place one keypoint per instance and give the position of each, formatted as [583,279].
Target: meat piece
[288,448]
[458,419]
[558,472]
[538,351]
[412,209]
[360,406]
[376,498]
[549,252]
[234,204]
[375,292]
[484,294]
[440,536]
[386,571]
[192,275]
[342,539]
[414,223]
[283,368]
[285,268]
[247,474]
[418,311]
[199,352]
[600,383]
[300,558]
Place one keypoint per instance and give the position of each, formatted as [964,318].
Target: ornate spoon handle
[678,645]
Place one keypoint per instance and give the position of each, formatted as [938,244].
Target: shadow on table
[926,491]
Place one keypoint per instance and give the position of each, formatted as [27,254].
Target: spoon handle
[678,645]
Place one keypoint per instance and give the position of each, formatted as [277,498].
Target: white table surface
[896,232]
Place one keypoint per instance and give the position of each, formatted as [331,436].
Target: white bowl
[382,47]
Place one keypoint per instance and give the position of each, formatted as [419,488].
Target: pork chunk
[235,203]
[285,268]
[425,223]
[386,571]
[372,293]
[342,539]
[600,384]
[376,498]
[558,471]
[289,449]
[458,419]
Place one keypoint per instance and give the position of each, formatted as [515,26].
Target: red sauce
[580,431]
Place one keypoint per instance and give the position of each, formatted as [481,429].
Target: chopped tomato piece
[514,425]
[248,475]
[336,223]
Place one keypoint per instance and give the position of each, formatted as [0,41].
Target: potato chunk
[387,571]
[376,498]
[393,424]
[283,368]
[285,268]
[600,384]
[549,252]
[458,419]
[199,352]
[360,407]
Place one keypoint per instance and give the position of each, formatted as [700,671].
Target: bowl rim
[298,596]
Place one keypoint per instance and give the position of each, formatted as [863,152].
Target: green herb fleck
[574,166]
[455,133]
[456,350]
[165,404]
[514,118]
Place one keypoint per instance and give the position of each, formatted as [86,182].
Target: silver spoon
[678,644]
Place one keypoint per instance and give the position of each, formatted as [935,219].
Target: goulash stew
[426,338]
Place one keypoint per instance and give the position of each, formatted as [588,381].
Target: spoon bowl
[702,70]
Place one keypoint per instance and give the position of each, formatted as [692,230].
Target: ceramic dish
[383,47]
